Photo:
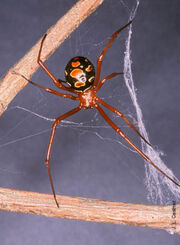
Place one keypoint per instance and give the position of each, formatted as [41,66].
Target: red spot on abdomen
[76,72]
[79,84]
[75,64]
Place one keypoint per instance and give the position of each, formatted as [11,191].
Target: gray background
[89,162]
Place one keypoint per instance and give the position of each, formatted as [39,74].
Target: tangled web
[159,187]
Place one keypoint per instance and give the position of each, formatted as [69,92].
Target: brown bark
[11,83]
[162,217]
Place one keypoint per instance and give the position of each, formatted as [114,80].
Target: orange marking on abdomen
[79,84]
[76,72]
[75,64]
[89,68]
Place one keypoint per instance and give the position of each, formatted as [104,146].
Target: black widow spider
[80,76]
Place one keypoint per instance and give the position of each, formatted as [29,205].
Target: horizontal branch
[163,217]
[11,83]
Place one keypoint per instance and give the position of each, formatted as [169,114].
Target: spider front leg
[105,79]
[47,89]
[58,82]
[57,121]
[120,132]
[100,58]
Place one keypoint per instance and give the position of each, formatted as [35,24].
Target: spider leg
[100,58]
[57,121]
[122,116]
[58,82]
[48,89]
[120,132]
[105,79]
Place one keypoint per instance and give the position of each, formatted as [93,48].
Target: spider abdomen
[80,73]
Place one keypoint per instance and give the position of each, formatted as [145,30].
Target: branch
[163,217]
[11,83]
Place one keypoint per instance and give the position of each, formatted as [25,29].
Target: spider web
[159,187]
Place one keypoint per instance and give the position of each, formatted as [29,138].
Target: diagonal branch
[162,217]
[11,83]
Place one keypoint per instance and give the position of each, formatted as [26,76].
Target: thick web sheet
[159,187]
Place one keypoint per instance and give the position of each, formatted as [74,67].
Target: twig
[163,217]
[11,83]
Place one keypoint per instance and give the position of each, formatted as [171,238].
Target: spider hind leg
[56,122]
[120,132]
[123,117]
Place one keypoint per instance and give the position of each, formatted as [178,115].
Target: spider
[84,85]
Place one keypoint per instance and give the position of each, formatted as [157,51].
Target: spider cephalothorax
[80,73]
[80,76]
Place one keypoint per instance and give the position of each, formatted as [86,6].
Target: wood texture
[163,217]
[11,83]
